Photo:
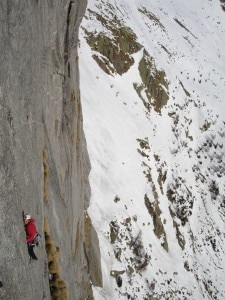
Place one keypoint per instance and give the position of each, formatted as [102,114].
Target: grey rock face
[44,164]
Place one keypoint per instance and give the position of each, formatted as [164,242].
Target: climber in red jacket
[31,231]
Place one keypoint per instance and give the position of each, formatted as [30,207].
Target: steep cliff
[152,86]
[44,164]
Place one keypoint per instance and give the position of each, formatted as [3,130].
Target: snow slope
[157,173]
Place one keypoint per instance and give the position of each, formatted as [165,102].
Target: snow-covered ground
[157,177]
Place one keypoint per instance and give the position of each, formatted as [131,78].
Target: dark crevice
[66,43]
[69,70]
[87,259]
[182,25]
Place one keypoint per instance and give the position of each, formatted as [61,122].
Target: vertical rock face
[44,164]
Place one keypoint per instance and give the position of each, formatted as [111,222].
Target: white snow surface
[115,118]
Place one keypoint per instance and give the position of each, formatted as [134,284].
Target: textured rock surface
[44,165]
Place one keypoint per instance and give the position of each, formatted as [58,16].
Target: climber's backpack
[37,239]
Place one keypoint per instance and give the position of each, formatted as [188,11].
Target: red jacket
[30,231]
